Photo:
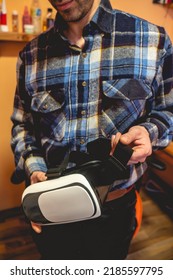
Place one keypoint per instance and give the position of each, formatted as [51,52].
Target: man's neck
[74,31]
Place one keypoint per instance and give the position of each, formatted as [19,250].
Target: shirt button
[45,106]
[84,55]
[82,141]
[83,112]
[84,84]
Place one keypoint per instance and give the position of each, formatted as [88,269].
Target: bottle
[0,14]
[49,18]
[44,24]
[4,26]
[36,16]
[26,18]
[15,21]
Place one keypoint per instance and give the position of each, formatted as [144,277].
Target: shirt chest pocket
[124,101]
[47,101]
[127,89]
[126,93]
[49,109]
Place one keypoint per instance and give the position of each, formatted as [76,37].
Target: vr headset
[77,193]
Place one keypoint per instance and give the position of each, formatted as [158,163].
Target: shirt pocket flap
[128,89]
[46,101]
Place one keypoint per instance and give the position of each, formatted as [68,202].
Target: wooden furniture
[16,37]
[159,183]
[165,156]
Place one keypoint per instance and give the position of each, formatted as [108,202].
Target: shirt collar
[103,18]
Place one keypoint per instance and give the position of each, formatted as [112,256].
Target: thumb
[126,138]
[36,227]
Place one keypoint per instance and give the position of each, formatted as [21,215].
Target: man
[98,73]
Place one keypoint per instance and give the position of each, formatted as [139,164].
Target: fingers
[139,155]
[38,176]
[131,136]
[114,141]
[36,227]
[138,138]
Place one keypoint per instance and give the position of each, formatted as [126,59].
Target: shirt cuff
[35,163]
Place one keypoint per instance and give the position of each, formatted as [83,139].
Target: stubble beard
[70,16]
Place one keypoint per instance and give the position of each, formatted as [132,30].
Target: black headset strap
[98,150]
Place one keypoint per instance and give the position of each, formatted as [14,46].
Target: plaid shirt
[122,77]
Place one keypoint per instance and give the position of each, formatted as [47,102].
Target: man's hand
[37,176]
[138,138]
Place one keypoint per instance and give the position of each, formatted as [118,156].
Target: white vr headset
[77,193]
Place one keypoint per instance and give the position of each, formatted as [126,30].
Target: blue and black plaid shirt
[122,77]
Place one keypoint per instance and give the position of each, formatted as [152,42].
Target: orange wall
[158,14]
[10,194]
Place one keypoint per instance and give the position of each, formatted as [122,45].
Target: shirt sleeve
[159,121]
[28,156]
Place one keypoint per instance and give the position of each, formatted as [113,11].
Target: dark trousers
[106,237]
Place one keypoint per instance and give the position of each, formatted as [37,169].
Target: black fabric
[101,147]
[107,237]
